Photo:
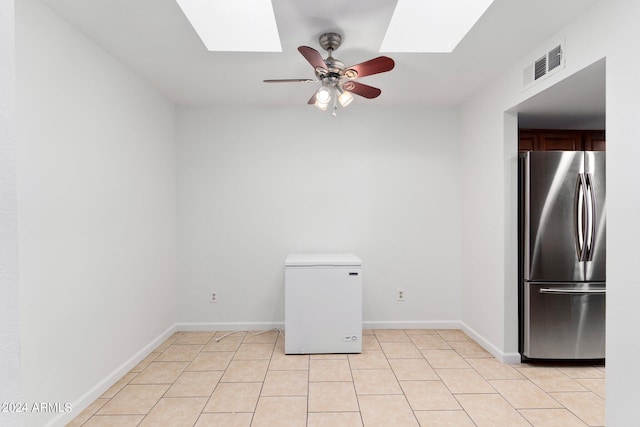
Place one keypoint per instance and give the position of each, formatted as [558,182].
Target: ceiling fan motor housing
[334,68]
[330,41]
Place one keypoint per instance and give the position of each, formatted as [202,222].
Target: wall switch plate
[213,297]
[400,295]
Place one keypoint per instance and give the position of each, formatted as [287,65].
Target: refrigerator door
[564,321]
[554,216]
[595,266]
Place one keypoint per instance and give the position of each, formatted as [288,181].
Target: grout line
[172,341]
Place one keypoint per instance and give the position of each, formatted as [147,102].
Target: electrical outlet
[400,295]
[213,297]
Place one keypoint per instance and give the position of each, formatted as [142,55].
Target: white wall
[10,390]
[255,184]
[96,198]
[607,30]
[96,202]
[623,229]
[486,228]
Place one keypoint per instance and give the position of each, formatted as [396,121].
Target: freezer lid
[323,260]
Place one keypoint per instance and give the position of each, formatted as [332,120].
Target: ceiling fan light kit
[344,97]
[337,82]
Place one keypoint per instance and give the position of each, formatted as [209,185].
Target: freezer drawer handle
[572,291]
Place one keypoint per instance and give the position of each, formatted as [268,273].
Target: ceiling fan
[338,81]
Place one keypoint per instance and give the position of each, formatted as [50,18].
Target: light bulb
[323,95]
[345,98]
[322,106]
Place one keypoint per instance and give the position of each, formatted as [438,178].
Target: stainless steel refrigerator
[562,255]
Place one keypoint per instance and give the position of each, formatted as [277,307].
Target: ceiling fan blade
[377,65]
[312,100]
[313,56]
[289,81]
[361,89]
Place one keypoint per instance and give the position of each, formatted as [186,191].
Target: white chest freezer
[323,303]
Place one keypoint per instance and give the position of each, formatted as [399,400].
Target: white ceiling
[155,40]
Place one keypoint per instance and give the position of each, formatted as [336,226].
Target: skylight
[431,26]
[232,25]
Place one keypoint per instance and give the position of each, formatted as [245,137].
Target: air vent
[540,68]
[550,62]
[555,58]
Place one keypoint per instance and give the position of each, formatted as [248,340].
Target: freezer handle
[560,291]
[590,195]
[581,217]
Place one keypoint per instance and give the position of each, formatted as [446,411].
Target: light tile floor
[402,378]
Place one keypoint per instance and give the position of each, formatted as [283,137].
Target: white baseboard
[98,390]
[367,324]
[509,358]
[229,326]
[411,324]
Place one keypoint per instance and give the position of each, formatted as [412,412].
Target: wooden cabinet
[564,140]
[560,141]
[528,140]
[595,140]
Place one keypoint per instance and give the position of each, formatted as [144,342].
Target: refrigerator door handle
[590,202]
[581,214]
[571,291]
